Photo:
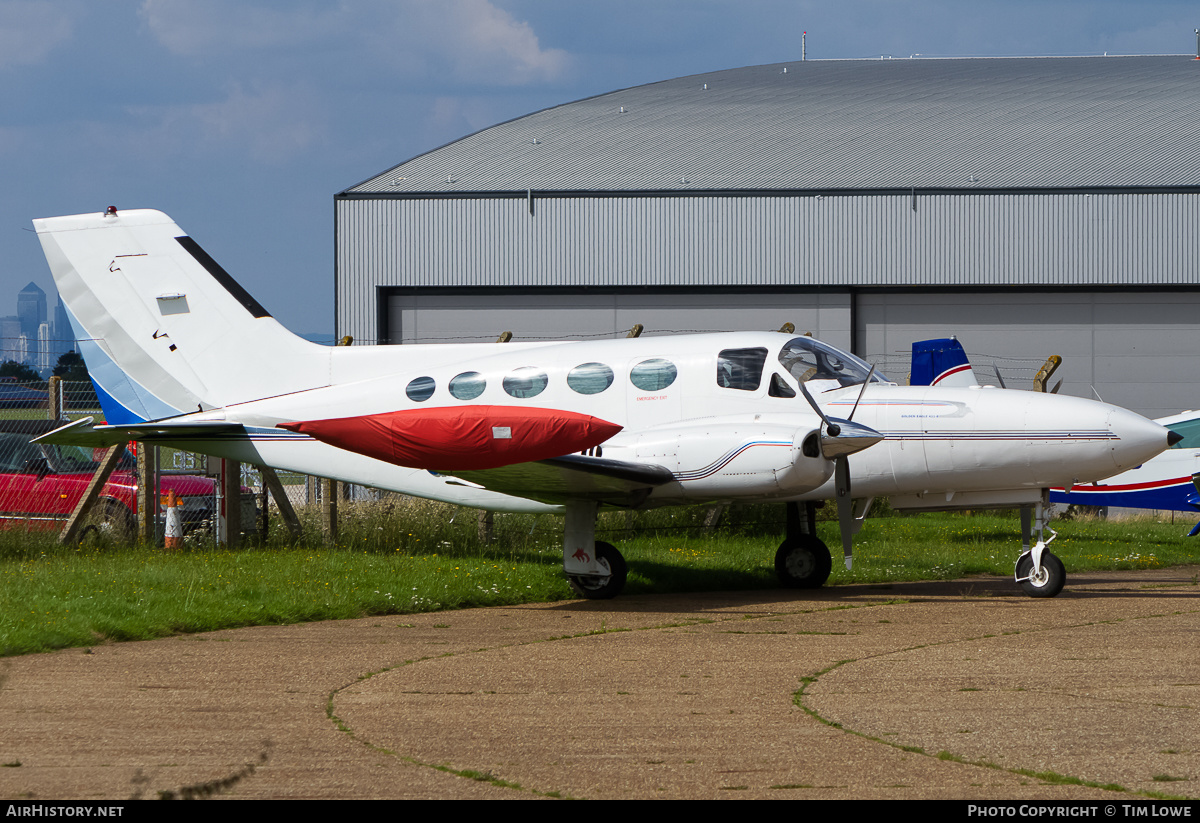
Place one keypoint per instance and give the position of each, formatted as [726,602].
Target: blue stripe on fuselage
[1172,497]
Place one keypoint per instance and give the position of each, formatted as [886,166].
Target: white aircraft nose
[1140,438]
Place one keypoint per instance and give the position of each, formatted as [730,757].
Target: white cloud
[272,125]
[474,41]
[483,43]
[210,27]
[29,31]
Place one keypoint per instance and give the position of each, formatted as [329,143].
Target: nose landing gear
[1039,572]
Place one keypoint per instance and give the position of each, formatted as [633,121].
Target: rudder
[165,330]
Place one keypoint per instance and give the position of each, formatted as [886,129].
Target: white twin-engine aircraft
[182,355]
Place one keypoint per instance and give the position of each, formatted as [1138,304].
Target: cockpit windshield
[808,359]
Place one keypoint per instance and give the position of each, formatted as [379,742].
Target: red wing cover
[461,438]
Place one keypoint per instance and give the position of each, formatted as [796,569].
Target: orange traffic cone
[173,534]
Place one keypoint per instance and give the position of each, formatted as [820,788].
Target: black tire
[603,588]
[1051,581]
[803,564]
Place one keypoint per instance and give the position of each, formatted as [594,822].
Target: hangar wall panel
[980,238]
[1135,348]
[460,318]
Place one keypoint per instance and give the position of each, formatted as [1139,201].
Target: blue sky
[242,118]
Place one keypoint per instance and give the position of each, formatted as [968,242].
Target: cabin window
[420,389]
[526,382]
[653,375]
[468,385]
[741,368]
[590,378]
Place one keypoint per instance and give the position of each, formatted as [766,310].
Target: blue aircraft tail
[941,362]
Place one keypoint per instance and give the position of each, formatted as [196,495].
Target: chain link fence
[990,369]
[41,485]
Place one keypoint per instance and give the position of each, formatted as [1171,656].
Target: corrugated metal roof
[846,124]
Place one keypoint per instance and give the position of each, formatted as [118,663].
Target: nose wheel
[1039,572]
[1045,581]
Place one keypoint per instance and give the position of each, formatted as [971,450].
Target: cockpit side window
[808,359]
[779,387]
[1190,429]
[741,368]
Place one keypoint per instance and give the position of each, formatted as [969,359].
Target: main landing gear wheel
[1046,584]
[803,564]
[609,586]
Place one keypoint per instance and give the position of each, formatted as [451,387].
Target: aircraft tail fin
[163,329]
[941,362]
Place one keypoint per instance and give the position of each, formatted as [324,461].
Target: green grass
[401,557]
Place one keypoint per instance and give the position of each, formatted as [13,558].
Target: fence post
[329,509]
[147,497]
[54,406]
[230,514]
[91,494]
[272,484]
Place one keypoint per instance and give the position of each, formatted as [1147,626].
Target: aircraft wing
[571,477]
[554,480]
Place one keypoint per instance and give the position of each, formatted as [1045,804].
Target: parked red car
[41,484]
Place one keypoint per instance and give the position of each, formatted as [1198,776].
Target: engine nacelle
[750,457]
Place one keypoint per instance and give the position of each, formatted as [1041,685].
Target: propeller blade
[840,440]
[1057,386]
[832,429]
[862,391]
[845,507]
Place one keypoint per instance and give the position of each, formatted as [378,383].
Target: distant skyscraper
[31,310]
[44,349]
[63,333]
[10,333]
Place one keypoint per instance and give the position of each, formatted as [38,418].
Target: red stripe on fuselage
[1130,487]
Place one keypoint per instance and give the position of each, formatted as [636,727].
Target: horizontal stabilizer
[85,433]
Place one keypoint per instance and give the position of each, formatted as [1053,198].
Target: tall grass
[400,556]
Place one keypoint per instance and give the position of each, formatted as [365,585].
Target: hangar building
[1030,206]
